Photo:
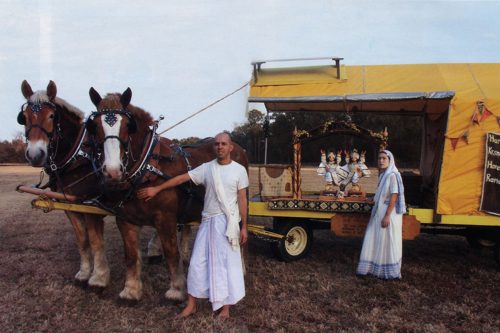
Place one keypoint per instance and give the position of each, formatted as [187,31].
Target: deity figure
[328,168]
[354,168]
[364,169]
[338,159]
[343,175]
[347,156]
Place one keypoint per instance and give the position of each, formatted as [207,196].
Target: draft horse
[132,156]
[56,140]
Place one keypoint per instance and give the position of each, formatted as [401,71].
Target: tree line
[12,151]
[404,137]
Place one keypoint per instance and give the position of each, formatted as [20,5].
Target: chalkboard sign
[490,197]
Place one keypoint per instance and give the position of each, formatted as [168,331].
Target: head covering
[355,154]
[383,178]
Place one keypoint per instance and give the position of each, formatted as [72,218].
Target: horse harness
[51,168]
[110,118]
[36,108]
[147,169]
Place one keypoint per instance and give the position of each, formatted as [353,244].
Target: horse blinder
[36,108]
[132,125]
[90,125]
[21,118]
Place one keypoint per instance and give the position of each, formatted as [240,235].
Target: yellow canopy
[423,89]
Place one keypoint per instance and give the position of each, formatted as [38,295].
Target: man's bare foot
[188,310]
[224,313]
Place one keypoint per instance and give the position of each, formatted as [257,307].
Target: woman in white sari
[383,242]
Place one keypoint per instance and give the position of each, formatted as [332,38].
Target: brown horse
[123,135]
[55,137]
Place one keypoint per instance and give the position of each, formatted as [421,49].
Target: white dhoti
[215,269]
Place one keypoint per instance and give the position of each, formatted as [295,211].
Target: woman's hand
[147,193]
[385,221]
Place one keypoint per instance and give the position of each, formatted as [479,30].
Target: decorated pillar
[296,165]
[385,138]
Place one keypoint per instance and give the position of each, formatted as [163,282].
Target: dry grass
[446,287]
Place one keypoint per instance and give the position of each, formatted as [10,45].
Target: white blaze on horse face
[36,152]
[112,157]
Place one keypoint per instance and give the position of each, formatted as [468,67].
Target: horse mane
[142,117]
[41,97]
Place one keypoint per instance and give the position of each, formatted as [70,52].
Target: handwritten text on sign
[490,197]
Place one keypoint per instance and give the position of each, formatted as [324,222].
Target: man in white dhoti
[383,242]
[216,269]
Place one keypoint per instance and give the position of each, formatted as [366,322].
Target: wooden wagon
[456,188]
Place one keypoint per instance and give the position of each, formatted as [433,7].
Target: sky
[180,56]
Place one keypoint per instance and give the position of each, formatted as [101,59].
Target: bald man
[216,270]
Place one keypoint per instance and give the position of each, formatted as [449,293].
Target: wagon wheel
[297,241]
[477,242]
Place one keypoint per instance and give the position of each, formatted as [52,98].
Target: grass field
[446,286]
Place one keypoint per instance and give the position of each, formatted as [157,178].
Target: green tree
[187,141]
[250,136]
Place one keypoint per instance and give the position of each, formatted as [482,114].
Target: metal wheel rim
[296,241]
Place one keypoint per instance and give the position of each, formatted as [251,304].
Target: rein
[76,153]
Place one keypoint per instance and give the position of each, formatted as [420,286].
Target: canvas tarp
[421,89]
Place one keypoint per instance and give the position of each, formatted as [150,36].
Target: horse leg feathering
[101,274]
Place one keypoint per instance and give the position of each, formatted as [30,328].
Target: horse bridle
[53,136]
[50,167]
[110,119]
[35,108]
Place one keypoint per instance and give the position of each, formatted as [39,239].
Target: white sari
[383,247]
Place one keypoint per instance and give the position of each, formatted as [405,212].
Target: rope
[206,107]
[80,179]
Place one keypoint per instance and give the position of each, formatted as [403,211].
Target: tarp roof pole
[258,64]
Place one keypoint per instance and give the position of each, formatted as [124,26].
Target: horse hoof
[127,294]
[155,260]
[99,282]
[82,276]
[175,295]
